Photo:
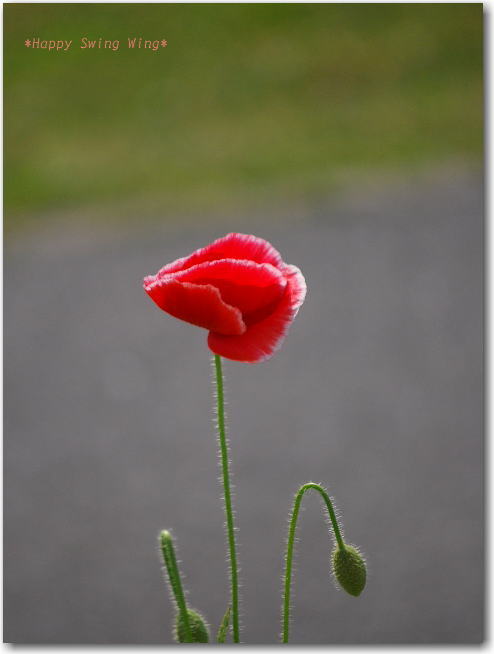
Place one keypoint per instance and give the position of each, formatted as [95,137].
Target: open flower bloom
[239,289]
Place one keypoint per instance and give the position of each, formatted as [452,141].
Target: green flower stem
[291,543]
[228,499]
[175,581]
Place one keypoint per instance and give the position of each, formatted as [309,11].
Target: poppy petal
[200,305]
[262,339]
[246,285]
[231,246]
[298,287]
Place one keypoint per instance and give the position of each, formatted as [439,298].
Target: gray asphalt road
[377,393]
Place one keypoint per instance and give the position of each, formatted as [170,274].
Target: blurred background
[351,137]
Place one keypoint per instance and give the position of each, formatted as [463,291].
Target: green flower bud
[198,628]
[349,569]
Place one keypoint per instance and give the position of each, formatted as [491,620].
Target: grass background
[248,103]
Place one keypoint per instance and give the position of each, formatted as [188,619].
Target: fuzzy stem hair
[170,560]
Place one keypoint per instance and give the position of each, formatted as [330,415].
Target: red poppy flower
[239,289]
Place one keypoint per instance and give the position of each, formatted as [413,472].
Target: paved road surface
[377,393]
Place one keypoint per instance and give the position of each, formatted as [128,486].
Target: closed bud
[349,569]
[199,632]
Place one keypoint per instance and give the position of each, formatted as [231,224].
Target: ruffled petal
[231,246]
[246,285]
[298,287]
[263,338]
[200,305]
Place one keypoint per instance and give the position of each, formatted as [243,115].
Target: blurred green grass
[246,102]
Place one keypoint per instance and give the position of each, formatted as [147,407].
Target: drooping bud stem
[340,547]
[228,498]
[176,584]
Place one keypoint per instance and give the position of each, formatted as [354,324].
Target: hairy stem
[175,581]
[228,499]
[291,544]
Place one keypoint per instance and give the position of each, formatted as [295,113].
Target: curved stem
[291,544]
[175,581]
[228,499]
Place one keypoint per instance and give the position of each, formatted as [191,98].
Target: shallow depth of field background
[351,137]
